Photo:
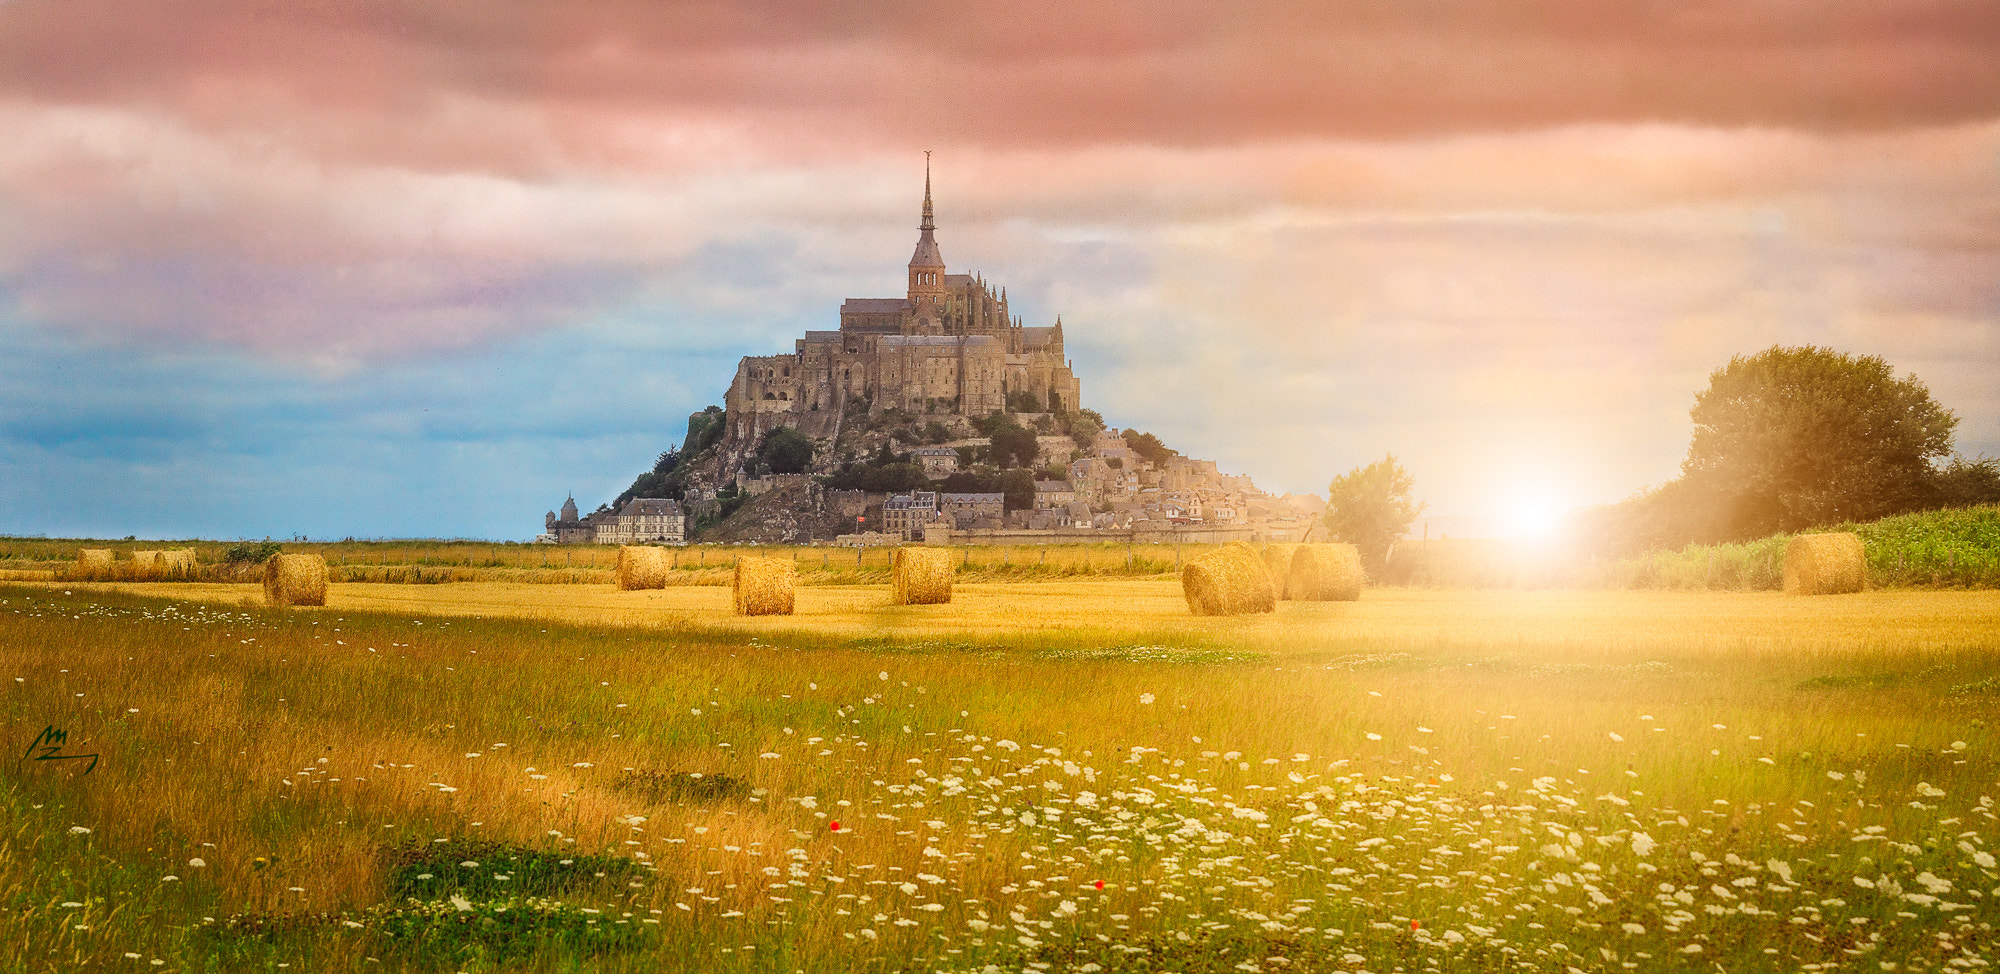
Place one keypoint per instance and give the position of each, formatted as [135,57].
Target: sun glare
[1535,514]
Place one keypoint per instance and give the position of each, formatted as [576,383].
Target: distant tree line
[1793,438]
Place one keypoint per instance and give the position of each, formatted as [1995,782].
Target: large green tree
[1795,438]
[1790,438]
[1084,425]
[1013,445]
[1018,486]
[1370,507]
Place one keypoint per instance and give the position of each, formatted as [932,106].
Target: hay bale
[178,562]
[147,565]
[295,580]
[93,564]
[921,576]
[640,567]
[1228,581]
[1825,564]
[763,586]
[1278,561]
[1325,573]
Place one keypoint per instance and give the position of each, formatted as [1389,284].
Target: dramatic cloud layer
[476,254]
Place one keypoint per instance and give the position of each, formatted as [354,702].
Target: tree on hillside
[1148,447]
[786,450]
[666,479]
[1084,425]
[1018,486]
[1013,445]
[968,482]
[705,429]
[1370,507]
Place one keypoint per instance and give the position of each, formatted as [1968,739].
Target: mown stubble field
[1421,781]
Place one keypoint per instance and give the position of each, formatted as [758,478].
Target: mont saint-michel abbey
[949,345]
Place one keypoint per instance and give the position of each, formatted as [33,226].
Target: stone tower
[927,285]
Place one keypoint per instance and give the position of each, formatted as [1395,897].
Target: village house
[907,514]
[939,461]
[1053,493]
[967,511]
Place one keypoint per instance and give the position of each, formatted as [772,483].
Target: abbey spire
[927,264]
[927,247]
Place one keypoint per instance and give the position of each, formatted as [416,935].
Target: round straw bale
[763,586]
[921,576]
[295,580]
[1325,573]
[177,562]
[1825,564]
[147,564]
[93,563]
[1228,581]
[641,566]
[1278,561]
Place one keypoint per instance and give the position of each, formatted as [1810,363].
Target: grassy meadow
[1958,548]
[1069,775]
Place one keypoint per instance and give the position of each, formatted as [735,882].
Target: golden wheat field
[1073,776]
[1031,612]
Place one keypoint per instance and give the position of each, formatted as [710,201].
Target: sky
[423,268]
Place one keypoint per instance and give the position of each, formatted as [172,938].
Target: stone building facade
[949,345]
[906,514]
[643,520]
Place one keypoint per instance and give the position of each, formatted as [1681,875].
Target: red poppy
[1100,884]
[834,825]
[1413,924]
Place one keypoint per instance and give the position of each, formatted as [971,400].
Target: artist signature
[50,742]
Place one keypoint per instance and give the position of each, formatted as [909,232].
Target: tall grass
[1523,775]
